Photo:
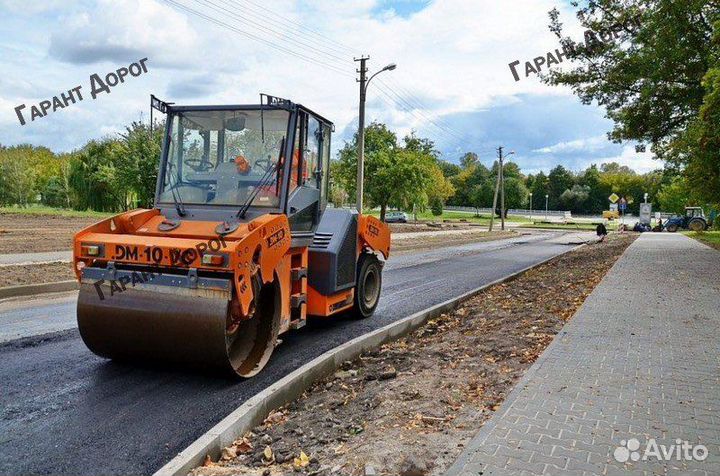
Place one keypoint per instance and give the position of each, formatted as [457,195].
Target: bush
[436,206]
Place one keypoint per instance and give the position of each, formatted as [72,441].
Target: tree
[481,195]
[597,191]
[378,138]
[575,199]
[475,174]
[675,197]
[539,189]
[470,159]
[439,187]
[658,79]
[397,178]
[17,178]
[394,176]
[136,160]
[648,78]
[420,144]
[559,180]
[699,147]
[436,206]
[516,194]
[94,178]
[448,168]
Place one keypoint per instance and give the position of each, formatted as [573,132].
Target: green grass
[711,238]
[63,212]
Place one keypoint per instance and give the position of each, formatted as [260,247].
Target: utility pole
[361,133]
[499,185]
[494,206]
[502,190]
[364,81]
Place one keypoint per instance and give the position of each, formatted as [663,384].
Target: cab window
[325,163]
[311,153]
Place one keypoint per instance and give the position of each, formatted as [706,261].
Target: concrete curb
[32,289]
[285,390]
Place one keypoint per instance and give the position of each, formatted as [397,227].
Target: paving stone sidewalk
[640,360]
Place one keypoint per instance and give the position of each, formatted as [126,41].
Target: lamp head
[390,67]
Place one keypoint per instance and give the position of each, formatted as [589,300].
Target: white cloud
[589,144]
[124,31]
[641,162]
[452,56]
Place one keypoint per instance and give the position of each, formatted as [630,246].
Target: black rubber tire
[696,224]
[368,286]
[672,228]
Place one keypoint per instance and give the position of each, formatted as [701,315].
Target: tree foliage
[659,83]
[395,176]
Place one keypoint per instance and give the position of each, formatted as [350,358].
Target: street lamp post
[361,124]
[531,204]
[546,206]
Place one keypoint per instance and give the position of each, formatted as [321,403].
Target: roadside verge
[294,384]
[33,289]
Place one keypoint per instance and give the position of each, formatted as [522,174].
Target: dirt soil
[410,407]
[422,226]
[35,274]
[424,242]
[36,233]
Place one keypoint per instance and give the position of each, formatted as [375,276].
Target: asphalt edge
[285,390]
[33,289]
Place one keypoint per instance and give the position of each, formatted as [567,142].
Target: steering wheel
[263,164]
[198,165]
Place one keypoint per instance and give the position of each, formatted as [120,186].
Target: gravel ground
[423,242]
[423,226]
[35,274]
[34,233]
[411,406]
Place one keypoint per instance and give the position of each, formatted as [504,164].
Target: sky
[452,82]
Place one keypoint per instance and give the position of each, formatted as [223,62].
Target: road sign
[623,206]
[613,207]
[613,198]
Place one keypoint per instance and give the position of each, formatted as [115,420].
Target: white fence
[512,211]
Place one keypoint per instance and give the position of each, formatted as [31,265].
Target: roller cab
[239,248]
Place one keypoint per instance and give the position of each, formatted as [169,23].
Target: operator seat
[226,179]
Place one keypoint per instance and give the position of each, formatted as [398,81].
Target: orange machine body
[259,250]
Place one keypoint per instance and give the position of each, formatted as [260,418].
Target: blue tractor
[694,220]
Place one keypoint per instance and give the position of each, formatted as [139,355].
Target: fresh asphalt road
[64,410]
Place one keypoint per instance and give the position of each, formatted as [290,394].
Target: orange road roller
[239,247]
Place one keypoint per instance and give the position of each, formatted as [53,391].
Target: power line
[259,39]
[393,102]
[420,111]
[279,34]
[404,100]
[421,106]
[341,47]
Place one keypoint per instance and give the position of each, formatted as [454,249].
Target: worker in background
[601,231]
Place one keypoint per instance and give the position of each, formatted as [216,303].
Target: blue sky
[452,84]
